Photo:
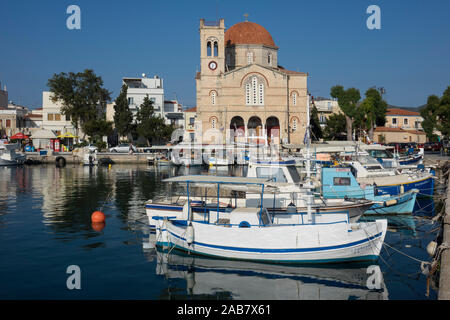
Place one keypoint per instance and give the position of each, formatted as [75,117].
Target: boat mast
[309,196]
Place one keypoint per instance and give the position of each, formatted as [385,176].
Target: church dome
[248,33]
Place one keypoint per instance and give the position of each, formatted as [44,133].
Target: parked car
[92,148]
[433,146]
[123,147]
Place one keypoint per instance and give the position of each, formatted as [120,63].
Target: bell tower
[212,47]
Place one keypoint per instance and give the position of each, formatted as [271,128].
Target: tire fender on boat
[190,234]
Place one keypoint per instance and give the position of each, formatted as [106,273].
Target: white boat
[9,157]
[90,158]
[251,234]
[250,280]
[369,171]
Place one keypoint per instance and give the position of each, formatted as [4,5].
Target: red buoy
[98,216]
[98,226]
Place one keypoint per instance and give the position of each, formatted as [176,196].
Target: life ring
[60,161]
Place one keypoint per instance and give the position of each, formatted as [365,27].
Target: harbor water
[45,228]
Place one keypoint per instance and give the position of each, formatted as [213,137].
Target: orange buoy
[98,226]
[98,216]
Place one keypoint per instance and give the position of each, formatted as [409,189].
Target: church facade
[243,95]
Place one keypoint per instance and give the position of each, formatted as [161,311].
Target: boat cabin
[340,182]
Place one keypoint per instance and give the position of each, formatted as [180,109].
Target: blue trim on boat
[260,250]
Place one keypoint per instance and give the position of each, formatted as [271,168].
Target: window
[294,124]
[213,122]
[247,94]
[254,92]
[341,181]
[57,117]
[192,121]
[269,59]
[208,49]
[50,116]
[249,57]
[213,97]
[394,120]
[130,100]
[271,173]
[67,117]
[216,49]
[261,94]
[294,98]
[8,123]
[405,121]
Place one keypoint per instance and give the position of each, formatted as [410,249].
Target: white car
[92,148]
[123,147]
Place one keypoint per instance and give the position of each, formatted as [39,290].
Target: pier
[444,277]
[74,158]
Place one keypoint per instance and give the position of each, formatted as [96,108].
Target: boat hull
[313,243]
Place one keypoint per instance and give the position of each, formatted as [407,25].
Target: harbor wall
[72,158]
[444,277]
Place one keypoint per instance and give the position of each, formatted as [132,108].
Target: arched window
[248,94]
[249,57]
[216,49]
[213,97]
[208,48]
[254,92]
[213,122]
[294,124]
[269,59]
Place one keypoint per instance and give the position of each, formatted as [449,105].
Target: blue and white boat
[250,234]
[390,159]
[341,183]
[369,171]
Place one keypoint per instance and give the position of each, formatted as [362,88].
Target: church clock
[212,65]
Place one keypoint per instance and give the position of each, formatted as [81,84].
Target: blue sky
[409,56]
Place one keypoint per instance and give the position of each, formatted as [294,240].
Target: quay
[444,275]
[74,158]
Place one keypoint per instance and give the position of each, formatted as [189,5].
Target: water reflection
[225,279]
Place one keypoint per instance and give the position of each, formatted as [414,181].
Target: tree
[372,111]
[150,126]
[316,129]
[436,115]
[82,95]
[348,100]
[123,117]
[443,114]
[335,127]
[98,128]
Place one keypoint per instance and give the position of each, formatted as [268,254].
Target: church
[243,94]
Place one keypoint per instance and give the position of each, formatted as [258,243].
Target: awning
[18,136]
[43,134]
[67,135]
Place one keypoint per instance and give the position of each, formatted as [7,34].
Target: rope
[421,261]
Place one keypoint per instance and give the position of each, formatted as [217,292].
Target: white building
[52,119]
[325,108]
[3,97]
[139,88]
[174,114]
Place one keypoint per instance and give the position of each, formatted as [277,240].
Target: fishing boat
[9,157]
[250,233]
[282,199]
[339,182]
[389,159]
[250,280]
[369,171]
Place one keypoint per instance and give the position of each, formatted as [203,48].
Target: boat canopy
[217,179]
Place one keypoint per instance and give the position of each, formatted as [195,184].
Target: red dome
[248,33]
